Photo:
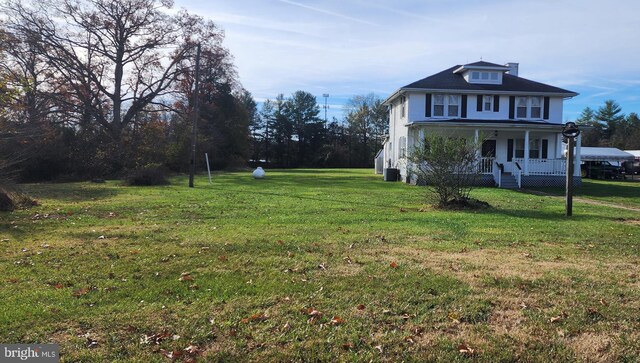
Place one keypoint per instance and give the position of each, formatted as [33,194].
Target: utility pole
[570,131]
[325,95]
[196,113]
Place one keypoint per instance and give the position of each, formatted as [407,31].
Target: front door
[488,156]
[489,149]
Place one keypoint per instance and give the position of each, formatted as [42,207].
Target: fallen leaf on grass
[347,346]
[13,280]
[223,258]
[322,266]
[409,339]
[348,260]
[379,348]
[185,276]
[314,314]
[192,349]
[82,291]
[360,307]
[466,349]
[604,302]
[171,354]
[555,319]
[255,317]
[393,265]
[92,343]
[286,326]
[154,338]
[336,320]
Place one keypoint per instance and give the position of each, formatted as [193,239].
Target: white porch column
[578,157]
[559,149]
[476,138]
[526,152]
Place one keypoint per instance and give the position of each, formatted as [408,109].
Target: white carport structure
[635,153]
[610,154]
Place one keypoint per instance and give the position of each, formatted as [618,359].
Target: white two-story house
[517,121]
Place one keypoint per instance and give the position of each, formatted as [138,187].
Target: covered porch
[512,155]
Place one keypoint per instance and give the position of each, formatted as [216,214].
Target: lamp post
[326,96]
[570,131]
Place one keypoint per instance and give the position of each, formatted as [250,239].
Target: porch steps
[509,181]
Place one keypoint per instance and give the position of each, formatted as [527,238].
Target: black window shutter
[510,150]
[479,103]
[496,103]
[545,148]
[463,113]
[512,107]
[427,106]
[546,108]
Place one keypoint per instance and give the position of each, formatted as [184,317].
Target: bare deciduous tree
[113,58]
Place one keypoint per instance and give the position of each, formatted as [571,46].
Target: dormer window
[491,77]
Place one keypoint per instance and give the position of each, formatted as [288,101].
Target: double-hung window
[529,107]
[446,105]
[438,105]
[454,106]
[536,107]
[521,107]
[487,103]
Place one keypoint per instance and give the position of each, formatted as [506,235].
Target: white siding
[555,110]
[416,106]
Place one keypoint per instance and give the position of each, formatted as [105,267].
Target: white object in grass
[258,173]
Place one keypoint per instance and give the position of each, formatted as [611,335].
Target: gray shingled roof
[485,64]
[447,80]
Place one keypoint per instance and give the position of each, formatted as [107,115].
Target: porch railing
[544,166]
[485,165]
[517,172]
[497,173]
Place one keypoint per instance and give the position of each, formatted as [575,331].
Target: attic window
[484,77]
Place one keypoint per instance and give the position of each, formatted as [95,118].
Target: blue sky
[351,47]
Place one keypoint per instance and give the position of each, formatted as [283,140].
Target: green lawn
[623,192]
[319,265]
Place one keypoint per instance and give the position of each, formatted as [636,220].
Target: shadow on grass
[70,192]
[538,214]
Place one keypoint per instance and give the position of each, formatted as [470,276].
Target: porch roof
[472,123]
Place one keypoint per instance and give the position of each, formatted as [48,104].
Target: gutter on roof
[514,124]
[443,90]
[488,68]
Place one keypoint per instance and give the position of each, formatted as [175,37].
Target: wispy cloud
[327,12]
[349,47]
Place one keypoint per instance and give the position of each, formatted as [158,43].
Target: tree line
[609,127]
[96,88]
[92,88]
[288,132]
